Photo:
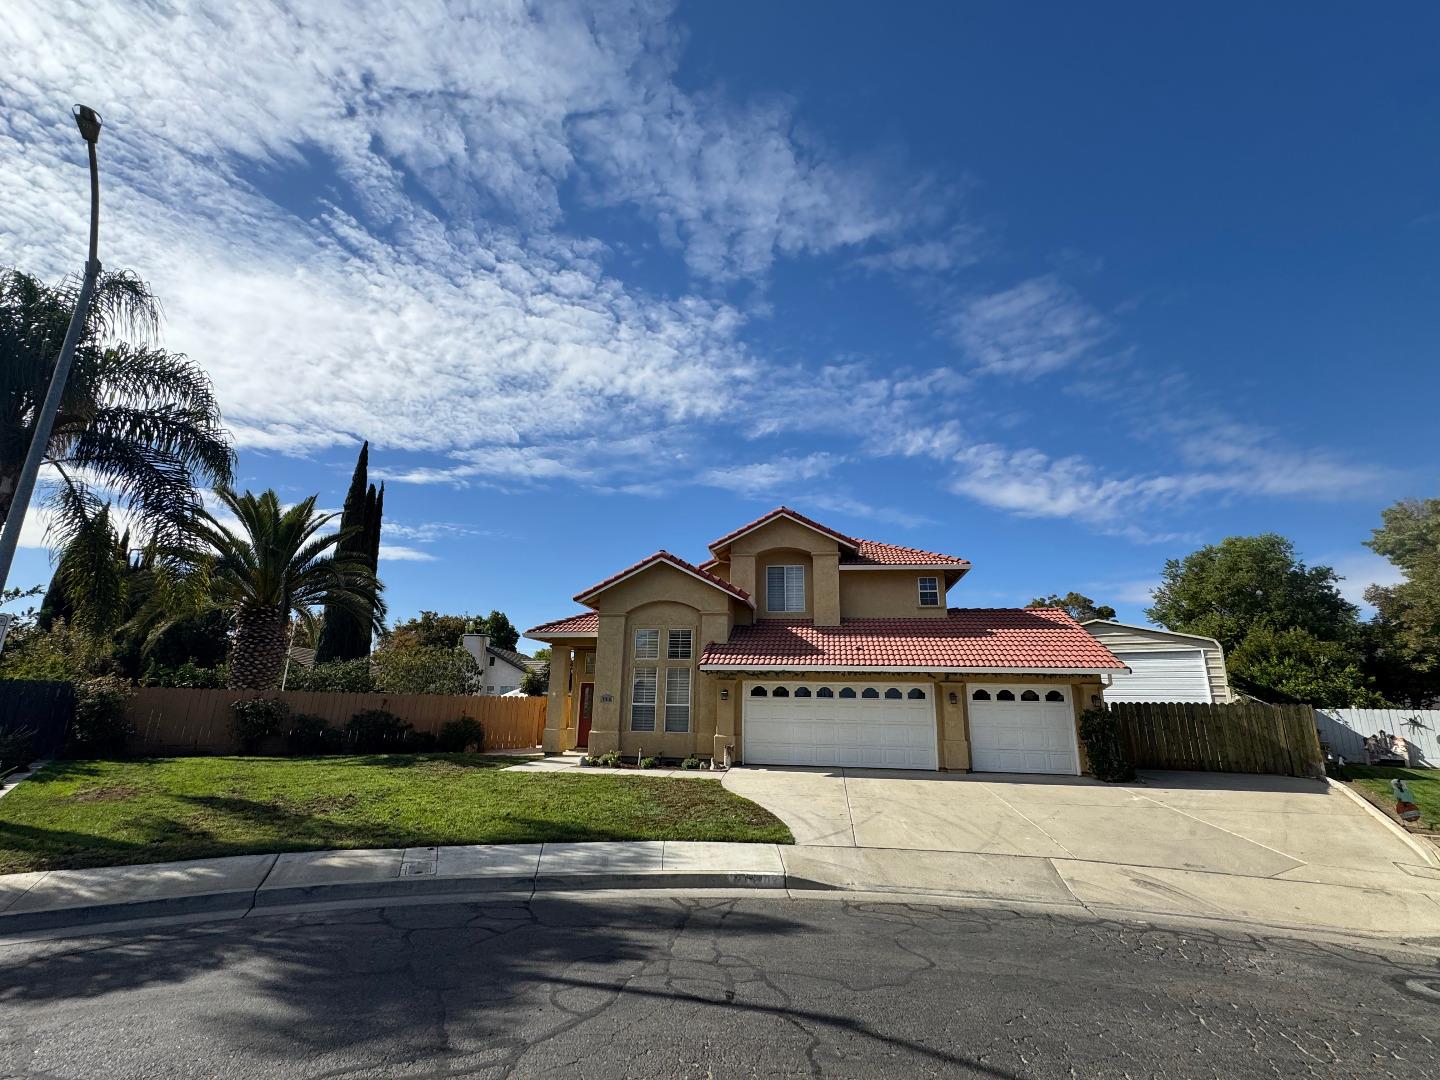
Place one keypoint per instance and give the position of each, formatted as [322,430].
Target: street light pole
[88,120]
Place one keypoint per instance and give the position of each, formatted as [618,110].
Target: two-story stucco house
[794,644]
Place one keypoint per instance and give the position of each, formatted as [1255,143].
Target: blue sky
[1065,289]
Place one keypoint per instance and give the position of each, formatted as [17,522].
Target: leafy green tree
[1405,634]
[425,669]
[346,634]
[277,565]
[503,634]
[59,653]
[1225,590]
[429,629]
[135,420]
[1080,606]
[338,676]
[1295,664]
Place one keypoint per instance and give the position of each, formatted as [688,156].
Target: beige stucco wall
[785,542]
[1114,635]
[887,594]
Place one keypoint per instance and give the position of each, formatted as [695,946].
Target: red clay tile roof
[971,639]
[675,561]
[587,622]
[785,511]
[874,553]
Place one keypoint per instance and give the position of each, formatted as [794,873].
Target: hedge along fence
[1246,737]
[201,721]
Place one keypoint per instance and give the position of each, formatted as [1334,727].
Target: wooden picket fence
[45,708]
[1243,737]
[199,721]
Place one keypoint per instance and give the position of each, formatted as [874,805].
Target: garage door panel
[858,732]
[1019,736]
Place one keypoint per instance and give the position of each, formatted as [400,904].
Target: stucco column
[727,702]
[827,587]
[557,717]
[610,690]
[954,732]
[742,574]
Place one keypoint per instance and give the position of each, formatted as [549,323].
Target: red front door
[587,700]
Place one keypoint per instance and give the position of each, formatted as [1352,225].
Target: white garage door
[1019,728]
[1161,675]
[862,725]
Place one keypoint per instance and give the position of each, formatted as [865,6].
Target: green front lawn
[101,813]
[1374,781]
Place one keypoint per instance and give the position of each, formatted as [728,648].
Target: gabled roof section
[511,657]
[586,624]
[785,512]
[874,553]
[670,560]
[1160,630]
[1033,640]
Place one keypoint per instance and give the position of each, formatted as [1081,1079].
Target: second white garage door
[860,725]
[1019,728]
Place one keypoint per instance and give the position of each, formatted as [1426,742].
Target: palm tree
[276,564]
[137,422]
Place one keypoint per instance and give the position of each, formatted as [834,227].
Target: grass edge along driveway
[1373,781]
[75,814]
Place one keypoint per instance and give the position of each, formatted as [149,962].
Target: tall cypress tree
[344,635]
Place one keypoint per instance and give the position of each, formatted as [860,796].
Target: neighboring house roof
[670,560]
[1150,630]
[970,639]
[778,512]
[586,624]
[302,656]
[514,659]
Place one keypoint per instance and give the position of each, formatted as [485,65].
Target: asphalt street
[644,986]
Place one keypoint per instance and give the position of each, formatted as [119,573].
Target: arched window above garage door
[980,695]
[759,691]
[824,691]
[893,695]
[780,691]
[846,692]
[1054,695]
[1004,695]
[870,692]
[916,694]
[802,691]
[1029,695]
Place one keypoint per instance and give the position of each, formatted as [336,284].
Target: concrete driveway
[1253,826]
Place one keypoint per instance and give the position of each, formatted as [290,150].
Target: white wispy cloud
[765,478]
[402,553]
[1030,329]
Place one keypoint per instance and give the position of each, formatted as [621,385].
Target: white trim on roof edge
[823,530]
[904,566]
[989,669]
[580,598]
[1153,630]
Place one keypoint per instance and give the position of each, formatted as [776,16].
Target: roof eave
[988,669]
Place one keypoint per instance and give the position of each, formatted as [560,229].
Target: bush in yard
[459,736]
[692,762]
[188,675]
[649,763]
[256,719]
[101,726]
[1109,760]
[608,760]
[377,731]
[312,735]
[337,677]
[17,748]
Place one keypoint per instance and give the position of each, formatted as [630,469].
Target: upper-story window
[680,644]
[929,592]
[785,588]
[647,644]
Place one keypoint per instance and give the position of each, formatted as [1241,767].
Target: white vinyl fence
[1344,731]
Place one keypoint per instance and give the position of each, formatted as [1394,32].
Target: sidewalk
[1405,906]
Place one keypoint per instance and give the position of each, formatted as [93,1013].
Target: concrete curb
[1427,852]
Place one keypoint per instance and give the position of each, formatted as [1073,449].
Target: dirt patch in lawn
[111,793]
[329,804]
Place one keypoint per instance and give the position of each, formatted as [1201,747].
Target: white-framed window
[647,644]
[642,700]
[680,645]
[785,588]
[677,699]
[929,592]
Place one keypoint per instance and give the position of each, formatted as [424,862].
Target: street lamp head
[88,121]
